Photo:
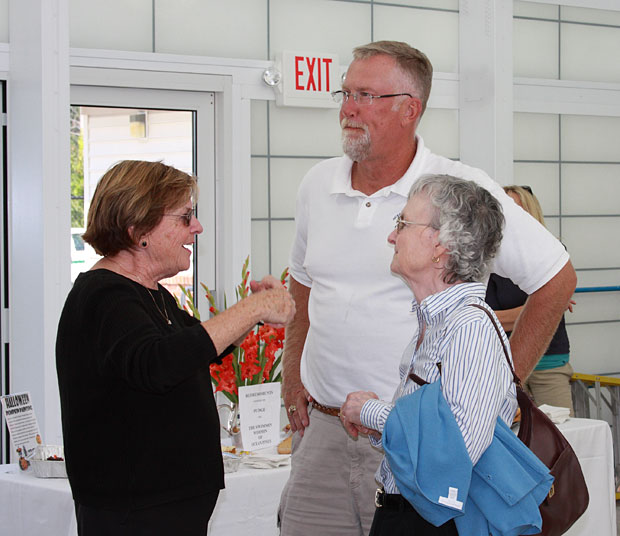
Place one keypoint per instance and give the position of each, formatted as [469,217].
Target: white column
[39,198]
[485,90]
[233,190]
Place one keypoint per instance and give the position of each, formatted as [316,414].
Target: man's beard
[356,147]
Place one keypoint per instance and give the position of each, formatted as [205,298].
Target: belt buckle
[379,497]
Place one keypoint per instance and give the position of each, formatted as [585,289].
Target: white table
[32,506]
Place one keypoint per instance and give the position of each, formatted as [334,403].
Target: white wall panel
[591,189]
[436,33]
[596,278]
[259,258]
[304,131]
[544,179]
[599,357]
[260,207]
[535,52]
[592,242]
[530,9]
[595,16]
[594,307]
[319,26]
[282,233]
[286,176]
[440,130]
[590,53]
[4,21]
[258,127]
[589,138]
[536,136]
[435,4]
[231,29]
[113,24]
[553,224]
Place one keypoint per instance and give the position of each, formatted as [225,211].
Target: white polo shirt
[360,319]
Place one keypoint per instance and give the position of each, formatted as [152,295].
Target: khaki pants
[332,486]
[552,387]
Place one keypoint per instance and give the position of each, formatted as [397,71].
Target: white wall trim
[566,97]
[39,198]
[4,60]
[610,5]
[485,92]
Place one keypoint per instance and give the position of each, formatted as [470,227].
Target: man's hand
[295,396]
[296,400]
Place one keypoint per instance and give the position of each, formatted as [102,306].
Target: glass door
[175,127]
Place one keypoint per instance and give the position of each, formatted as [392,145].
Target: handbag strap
[515,378]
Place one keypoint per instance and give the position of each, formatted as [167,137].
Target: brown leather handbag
[568,497]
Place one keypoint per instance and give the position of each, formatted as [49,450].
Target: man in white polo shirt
[353,321]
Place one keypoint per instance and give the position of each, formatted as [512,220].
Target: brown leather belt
[328,410]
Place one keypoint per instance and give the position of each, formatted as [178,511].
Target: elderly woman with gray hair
[444,241]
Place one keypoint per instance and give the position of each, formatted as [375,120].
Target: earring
[144,244]
[435,259]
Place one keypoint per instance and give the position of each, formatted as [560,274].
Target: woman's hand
[270,303]
[276,301]
[276,304]
[266,283]
[351,409]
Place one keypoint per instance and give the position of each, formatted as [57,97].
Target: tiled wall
[572,161]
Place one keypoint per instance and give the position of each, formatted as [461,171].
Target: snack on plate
[284,447]
[48,462]
[234,450]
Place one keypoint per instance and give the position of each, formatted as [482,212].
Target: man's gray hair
[470,222]
[413,63]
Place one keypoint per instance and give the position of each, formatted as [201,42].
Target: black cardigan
[140,425]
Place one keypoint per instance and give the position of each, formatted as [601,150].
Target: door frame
[202,105]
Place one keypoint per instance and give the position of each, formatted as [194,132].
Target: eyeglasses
[401,224]
[527,188]
[187,217]
[362,97]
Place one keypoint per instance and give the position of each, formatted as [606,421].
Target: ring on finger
[292,409]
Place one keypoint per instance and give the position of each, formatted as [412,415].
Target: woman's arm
[274,305]
[475,381]
[508,317]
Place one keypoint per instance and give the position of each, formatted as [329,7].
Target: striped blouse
[475,378]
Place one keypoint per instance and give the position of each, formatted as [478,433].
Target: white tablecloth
[31,506]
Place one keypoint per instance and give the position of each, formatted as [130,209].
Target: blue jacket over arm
[427,455]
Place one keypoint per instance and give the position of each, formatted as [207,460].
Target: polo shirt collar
[447,300]
[341,183]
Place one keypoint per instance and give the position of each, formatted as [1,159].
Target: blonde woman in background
[549,382]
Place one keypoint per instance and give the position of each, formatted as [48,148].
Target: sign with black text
[259,415]
[23,426]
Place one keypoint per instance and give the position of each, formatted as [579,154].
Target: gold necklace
[164,313]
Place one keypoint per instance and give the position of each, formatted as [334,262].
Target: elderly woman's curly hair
[470,222]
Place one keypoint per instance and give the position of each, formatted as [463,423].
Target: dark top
[503,294]
[140,425]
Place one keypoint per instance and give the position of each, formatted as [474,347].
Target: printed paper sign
[22,424]
[259,415]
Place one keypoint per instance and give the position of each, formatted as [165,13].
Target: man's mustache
[348,123]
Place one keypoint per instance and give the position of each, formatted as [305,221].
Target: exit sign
[308,79]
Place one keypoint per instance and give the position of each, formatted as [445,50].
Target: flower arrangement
[258,358]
